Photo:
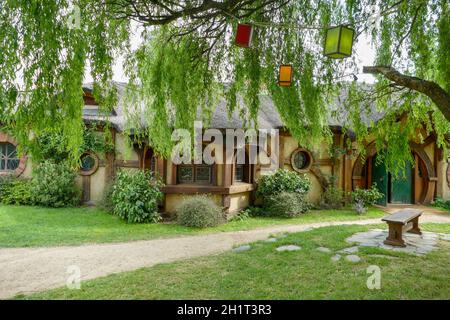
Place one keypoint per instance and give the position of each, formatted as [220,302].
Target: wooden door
[380,178]
[401,188]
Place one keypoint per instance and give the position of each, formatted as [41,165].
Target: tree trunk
[438,95]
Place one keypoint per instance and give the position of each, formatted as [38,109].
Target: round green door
[380,177]
[401,188]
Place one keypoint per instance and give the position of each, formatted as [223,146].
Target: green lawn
[263,273]
[22,226]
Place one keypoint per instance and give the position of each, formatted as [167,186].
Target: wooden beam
[127,163]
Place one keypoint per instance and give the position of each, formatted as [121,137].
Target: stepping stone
[336,257]
[349,250]
[323,249]
[245,247]
[290,247]
[353,258]
[271,240]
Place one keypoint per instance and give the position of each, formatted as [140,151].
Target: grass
[22,226]
[263,273]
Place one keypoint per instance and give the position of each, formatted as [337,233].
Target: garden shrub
[199,211]
[241,215]
[106,201]
[5,182]
[363,198]
[135,195]
[53,185]
[294,188]
[15,191]
[254,211]
[286,205]
[441,203]
[282,180]
[332,198]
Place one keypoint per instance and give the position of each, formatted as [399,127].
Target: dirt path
[26,270]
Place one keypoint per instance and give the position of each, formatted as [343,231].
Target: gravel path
[27,270]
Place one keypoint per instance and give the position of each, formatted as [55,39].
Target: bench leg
[395,235]
[415,229]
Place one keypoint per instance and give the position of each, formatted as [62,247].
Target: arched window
[8,157]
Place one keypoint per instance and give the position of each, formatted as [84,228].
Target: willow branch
[431,89]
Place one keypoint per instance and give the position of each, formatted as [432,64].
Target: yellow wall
[443,190]
[98,180]
[289,146]
[172,201]
[28,172]
[98,185]
[239,201]
[168,171]
[123,151]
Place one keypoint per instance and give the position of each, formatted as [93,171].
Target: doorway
[396,190]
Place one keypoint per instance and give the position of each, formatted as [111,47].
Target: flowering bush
[363,198]
[135,195]
[53,185]
[283,180]
[333,197]
[286,205]
[283,193]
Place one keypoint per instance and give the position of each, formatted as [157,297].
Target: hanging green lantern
[338,42]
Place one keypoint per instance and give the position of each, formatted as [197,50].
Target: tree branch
[431,89]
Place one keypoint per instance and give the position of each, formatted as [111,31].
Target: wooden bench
[406,220]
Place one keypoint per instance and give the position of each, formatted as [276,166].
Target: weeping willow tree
[45,49]
[187,61]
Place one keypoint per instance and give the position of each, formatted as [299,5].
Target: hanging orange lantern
[285,75]
[244,34]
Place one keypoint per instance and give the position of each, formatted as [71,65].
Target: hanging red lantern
[244,34]
[285,75]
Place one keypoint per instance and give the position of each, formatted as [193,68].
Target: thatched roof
[268,116]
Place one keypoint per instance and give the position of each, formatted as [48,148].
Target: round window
[300,160]
[89,163]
